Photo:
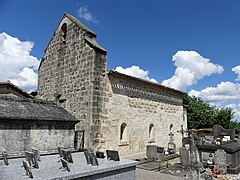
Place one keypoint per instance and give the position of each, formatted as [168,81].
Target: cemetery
[67,165]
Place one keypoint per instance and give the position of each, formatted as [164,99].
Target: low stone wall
[46,136]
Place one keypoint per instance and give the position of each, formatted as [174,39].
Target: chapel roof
[12,89]
[15,108]
[149,83]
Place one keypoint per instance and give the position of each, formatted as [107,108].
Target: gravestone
[171,145]
[36,153]
[27,169]
[220,161]
[112,155]
[93,159]
[64,165]
[31,159]
[219,131]
[100,154]
[184,157]
[67,155]
[87,156]
[5,156]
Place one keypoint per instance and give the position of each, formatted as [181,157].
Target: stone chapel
[115,111]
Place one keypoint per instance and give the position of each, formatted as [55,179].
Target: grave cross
[182,131]
[171,137]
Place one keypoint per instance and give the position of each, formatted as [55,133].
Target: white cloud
[136,72]
[237,71]
[236,110]
[225,94]
[84,13]
[225,91]
[16,63]
[191,67]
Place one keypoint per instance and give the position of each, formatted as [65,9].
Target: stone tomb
[49,169]
[232,148]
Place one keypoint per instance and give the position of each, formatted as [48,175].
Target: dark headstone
[87,156]
[67,155]
[64,165]
[93,159]
[5,156]
[27,169]
[100,154]
[112,155]
[31,159]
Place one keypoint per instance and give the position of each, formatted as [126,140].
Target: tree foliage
[203,115]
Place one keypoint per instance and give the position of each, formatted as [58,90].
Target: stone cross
[171,137]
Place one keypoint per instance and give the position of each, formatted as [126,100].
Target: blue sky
[191,45]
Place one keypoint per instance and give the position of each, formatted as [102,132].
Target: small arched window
[123,133]
[151,132]
[64,33]
[171,126]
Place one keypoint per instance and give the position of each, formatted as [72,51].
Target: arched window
[171,126]
[123,132]
[64,33]
[151,131]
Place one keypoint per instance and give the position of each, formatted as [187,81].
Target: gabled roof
[81,25]
[14,108]
[112,72]
[15,90]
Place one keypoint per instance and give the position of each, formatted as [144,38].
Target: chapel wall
[140,105]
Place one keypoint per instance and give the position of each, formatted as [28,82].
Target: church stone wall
[140,105]
[70,74]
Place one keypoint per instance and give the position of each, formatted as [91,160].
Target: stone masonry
[115,111]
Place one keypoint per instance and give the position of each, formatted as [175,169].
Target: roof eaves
[146,81]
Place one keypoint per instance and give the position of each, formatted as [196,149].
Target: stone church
[115,111]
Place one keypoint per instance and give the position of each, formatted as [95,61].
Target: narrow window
[171,126]
[64,33]
[123,131]
[151,135]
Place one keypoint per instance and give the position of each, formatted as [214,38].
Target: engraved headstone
[31,159]
[67,155]
[36,153]
[64,165]
[112,155]
[220,161]
[184,157]
[27,169]
[87,156]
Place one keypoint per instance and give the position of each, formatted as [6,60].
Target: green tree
[203,115]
